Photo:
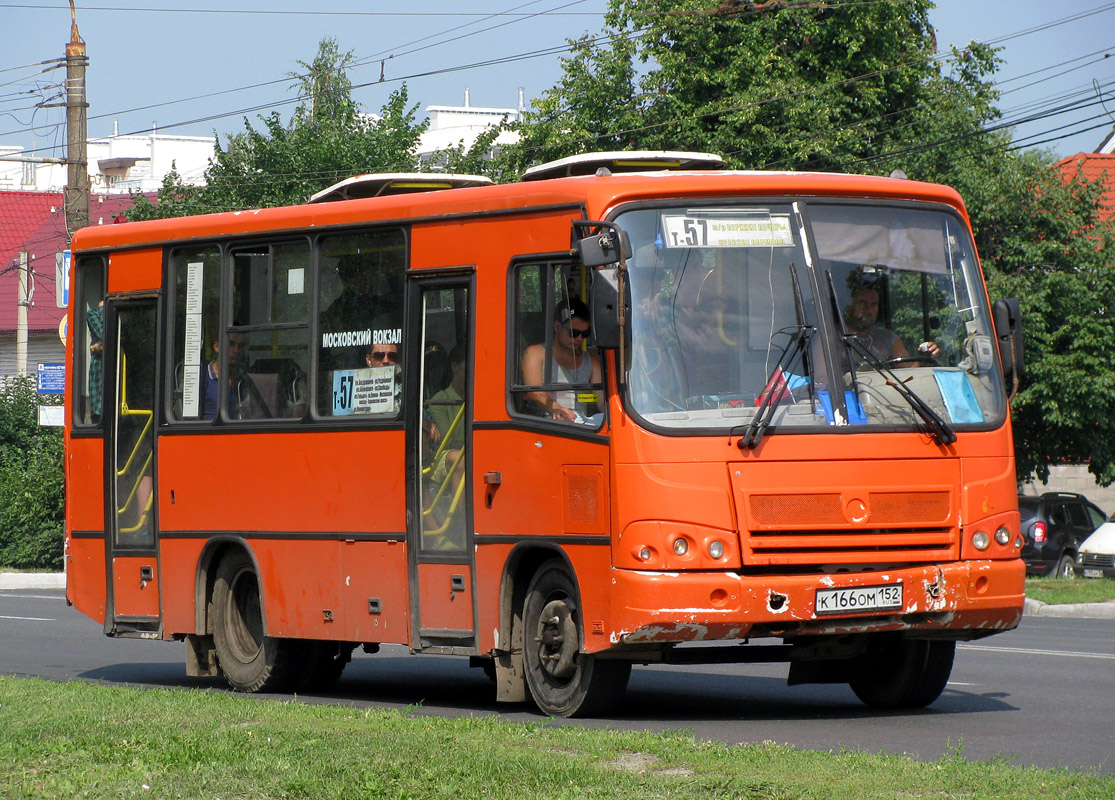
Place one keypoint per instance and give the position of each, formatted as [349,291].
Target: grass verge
[81,740]
[1070,590]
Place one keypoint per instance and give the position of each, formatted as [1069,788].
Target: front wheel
[563,681]
[250,661]
[902,673]
[1066,567]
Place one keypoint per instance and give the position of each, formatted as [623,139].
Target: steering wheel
[918,358]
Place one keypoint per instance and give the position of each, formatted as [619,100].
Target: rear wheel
[1066,567]
[902,673]
[563,681]
[250,661]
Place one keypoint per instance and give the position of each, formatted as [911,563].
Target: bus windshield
[802,316]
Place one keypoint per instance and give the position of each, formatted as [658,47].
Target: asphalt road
[1040,695]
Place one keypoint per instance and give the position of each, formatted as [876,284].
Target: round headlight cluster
[716,549]
[980,540]
[681,546]
[1002,535]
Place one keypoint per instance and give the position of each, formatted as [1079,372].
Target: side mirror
[611,246]
[608,285]
[1008,329]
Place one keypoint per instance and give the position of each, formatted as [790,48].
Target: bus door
[439,436]
[133,585]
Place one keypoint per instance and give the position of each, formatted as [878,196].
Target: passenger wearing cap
[569,363]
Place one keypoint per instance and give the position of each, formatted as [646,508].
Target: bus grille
[847,528]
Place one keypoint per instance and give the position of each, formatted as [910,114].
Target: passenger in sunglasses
[387,355]
[569,363]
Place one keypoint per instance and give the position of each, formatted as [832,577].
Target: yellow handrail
[125,411]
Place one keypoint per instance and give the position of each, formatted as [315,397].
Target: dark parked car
[1054,524]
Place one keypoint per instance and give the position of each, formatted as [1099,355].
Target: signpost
[51,380]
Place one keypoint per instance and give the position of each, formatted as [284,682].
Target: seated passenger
[237,364]
[569,363]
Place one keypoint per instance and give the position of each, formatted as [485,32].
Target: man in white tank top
[569,363]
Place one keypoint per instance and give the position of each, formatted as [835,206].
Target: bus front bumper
[964,600]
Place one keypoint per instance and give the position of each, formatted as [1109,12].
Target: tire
[563,681]
[1066,567]
[902,673]
[250,661]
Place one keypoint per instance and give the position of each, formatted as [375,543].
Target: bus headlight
[716,550]
[1002,535]
[980,540]
[681,546]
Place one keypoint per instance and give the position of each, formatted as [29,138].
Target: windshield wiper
[775,386]
[940,430]
[776,382]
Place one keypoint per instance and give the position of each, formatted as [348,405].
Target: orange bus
[625,411]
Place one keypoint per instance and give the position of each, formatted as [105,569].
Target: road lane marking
[1034,652]
[30,619]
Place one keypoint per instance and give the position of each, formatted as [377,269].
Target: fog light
[644,554]
[1002,535]
[981,540]
[716,549]
[681,547]
[1018,542]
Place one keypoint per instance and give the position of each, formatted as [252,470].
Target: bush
[31,481]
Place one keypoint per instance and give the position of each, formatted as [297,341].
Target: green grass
[1070,590]
[82,740]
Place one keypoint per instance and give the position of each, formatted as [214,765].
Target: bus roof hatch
[624,161]
[385,183]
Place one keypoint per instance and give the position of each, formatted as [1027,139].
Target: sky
[195,68]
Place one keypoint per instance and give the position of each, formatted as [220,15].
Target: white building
[460,126]
[117,164]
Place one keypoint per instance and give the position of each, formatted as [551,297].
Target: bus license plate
[1093,573]
[862,598]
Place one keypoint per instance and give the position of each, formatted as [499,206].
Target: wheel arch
[522,563]
[216,549]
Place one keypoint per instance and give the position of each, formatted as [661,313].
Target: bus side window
[557,375]
[89,323]
[267,376]
[196,273]
[360,315]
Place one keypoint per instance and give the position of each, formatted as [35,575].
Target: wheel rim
[245,618]
[556,640]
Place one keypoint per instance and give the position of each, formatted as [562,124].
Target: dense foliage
[31,484]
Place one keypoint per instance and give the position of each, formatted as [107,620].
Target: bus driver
[569,363]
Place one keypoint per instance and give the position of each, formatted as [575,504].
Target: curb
[32,580]
[1036,608]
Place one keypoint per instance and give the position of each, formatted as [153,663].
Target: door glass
[133,467]
[443,441]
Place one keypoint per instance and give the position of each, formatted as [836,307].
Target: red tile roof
[33,222]
[1093,166]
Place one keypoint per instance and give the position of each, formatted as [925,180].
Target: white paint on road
[30,619]
[1034,652]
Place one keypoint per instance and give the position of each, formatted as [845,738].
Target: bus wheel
[250,661]
[902,673]
[563,681]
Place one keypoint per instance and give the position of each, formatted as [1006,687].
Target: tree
[861,88]
[327,139]
[31,485]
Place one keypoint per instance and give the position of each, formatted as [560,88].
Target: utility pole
[77,174]
[21,318]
